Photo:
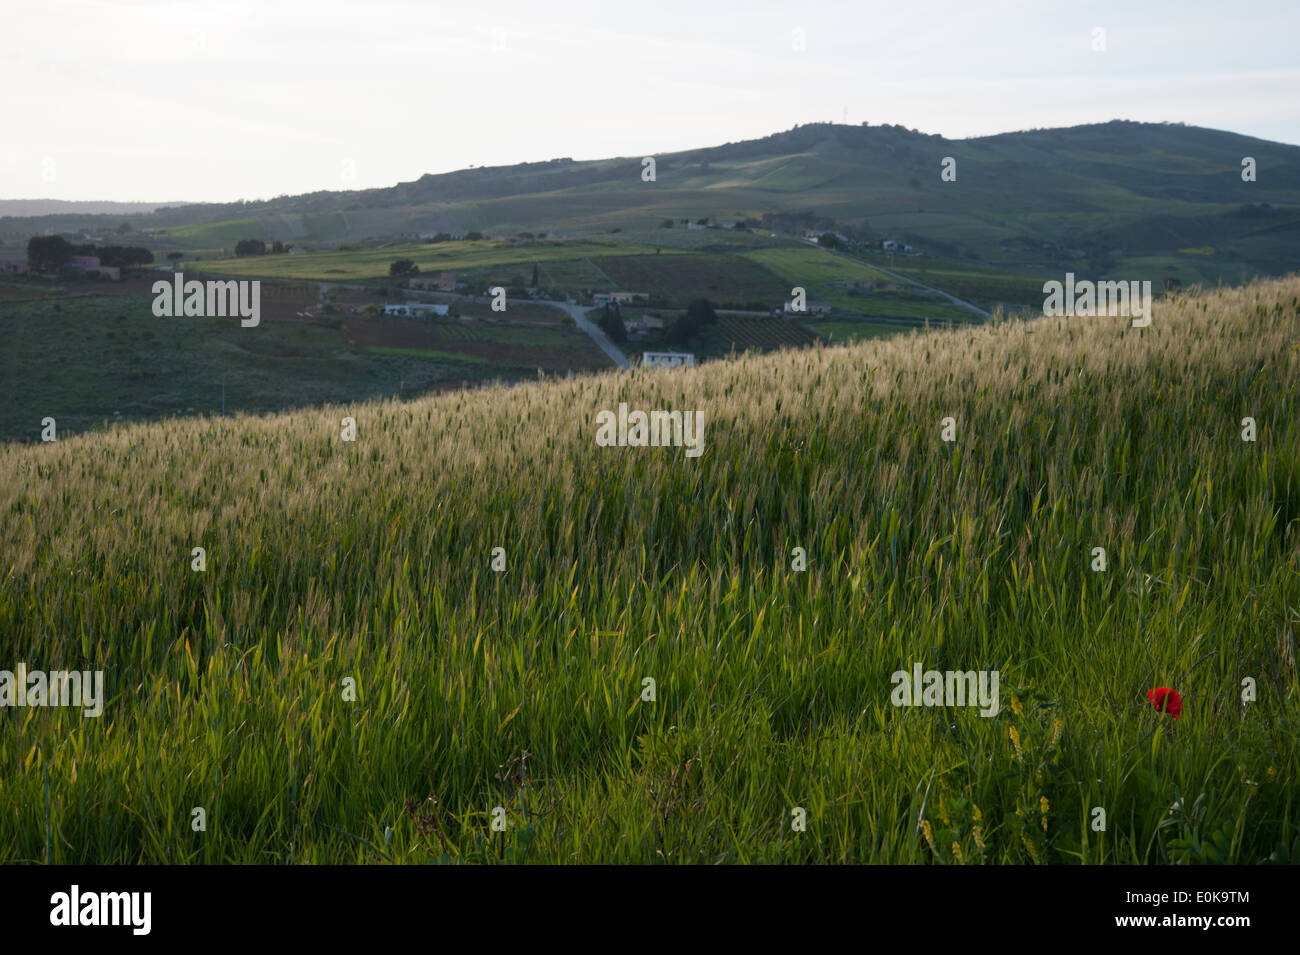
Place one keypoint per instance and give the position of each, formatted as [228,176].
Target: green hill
[1098,197]
[349,679]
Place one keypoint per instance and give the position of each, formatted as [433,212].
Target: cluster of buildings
[417,310]
[620,298]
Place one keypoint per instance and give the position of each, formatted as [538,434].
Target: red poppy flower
[1166,700]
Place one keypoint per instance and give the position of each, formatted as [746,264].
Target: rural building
[638,328]
[810,308]
[667,359]
[416,310]
[889,245]
[444,282]
[90,265]
[618,298]
[15,268]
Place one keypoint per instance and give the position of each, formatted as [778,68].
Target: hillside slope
[524,689]
[1113,192]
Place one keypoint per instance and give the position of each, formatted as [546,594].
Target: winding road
[600,338]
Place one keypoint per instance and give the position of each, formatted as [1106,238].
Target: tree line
[49,253]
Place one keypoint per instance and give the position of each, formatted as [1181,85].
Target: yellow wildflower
[1033,850]
[929,835]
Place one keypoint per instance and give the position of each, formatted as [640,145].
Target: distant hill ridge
[1117,189]
[52,207]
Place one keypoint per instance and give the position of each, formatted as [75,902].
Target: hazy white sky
[213,100]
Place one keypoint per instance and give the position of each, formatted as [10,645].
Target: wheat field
[350,680]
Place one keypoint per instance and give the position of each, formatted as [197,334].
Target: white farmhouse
[667,359]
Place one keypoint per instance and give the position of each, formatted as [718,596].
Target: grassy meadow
[371,264]
[82,357]
[329,562]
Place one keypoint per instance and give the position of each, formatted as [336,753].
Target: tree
[827,240]
[124,229]
[611,323]
[666,224]
[699,313]
[175,256]
[48,253]
[403,267]
[250,247]
[534,275]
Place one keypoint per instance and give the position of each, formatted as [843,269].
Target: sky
[217,100]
